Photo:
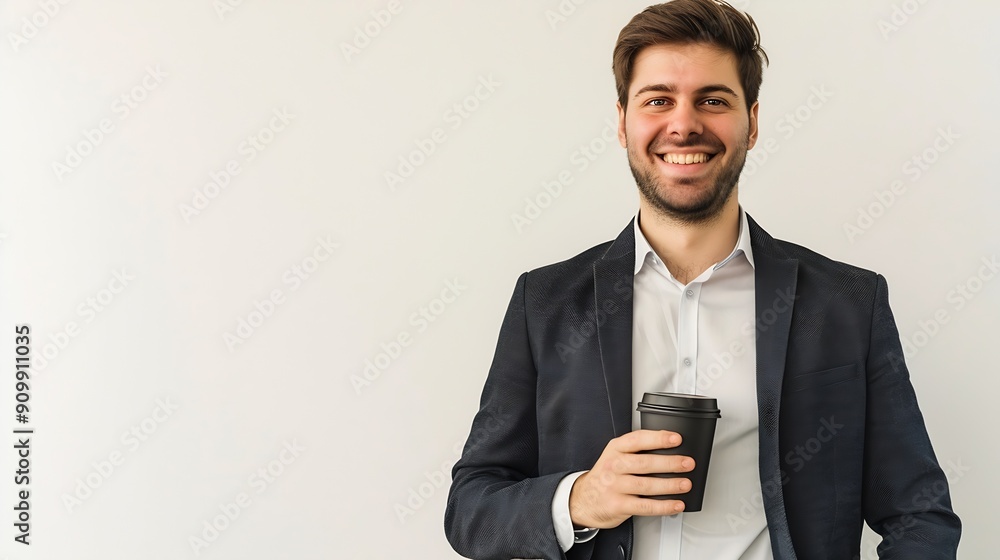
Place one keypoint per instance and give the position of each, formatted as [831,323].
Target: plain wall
[203,230]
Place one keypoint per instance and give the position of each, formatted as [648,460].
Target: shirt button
[690,293]
[687,361]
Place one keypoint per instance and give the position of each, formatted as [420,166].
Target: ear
[752,140]
[621,123]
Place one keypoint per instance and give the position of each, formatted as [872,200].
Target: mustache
[690,142]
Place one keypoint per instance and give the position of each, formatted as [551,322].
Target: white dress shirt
[698,339]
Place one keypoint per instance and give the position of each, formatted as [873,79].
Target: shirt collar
[642,247]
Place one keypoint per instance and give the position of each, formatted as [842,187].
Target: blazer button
[621,551]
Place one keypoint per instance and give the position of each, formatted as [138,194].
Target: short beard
[704,210]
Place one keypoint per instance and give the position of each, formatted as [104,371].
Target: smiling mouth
[686,159]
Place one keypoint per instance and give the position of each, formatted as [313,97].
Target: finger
[651,463]
[645,440]
[643,486]
[634,505]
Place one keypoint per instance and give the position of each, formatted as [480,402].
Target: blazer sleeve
[499,507]
[906,497]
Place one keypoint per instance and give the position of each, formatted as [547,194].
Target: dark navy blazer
[829,367]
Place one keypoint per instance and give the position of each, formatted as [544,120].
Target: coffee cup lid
[694,403]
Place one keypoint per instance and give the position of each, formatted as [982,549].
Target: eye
[657,102]
[715,102]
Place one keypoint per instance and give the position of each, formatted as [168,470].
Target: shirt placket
[685,339]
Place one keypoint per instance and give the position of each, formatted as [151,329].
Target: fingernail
[687,463]
[675,439]
[679,506]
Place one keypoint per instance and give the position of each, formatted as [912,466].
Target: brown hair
[692,21]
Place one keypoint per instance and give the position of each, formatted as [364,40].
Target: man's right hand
[612,491]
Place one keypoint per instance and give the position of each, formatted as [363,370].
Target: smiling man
[820,429]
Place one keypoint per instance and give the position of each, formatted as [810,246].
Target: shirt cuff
[561,519]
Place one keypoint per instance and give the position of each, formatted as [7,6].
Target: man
[820,429]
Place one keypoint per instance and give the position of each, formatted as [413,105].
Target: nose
[684,122]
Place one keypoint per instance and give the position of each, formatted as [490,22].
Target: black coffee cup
[694,418]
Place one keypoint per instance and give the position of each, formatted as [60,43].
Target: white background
[366,452]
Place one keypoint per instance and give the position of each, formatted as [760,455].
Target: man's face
[686,129]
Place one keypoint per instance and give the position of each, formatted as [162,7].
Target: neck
[689,249]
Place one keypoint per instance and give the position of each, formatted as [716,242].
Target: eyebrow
[669,88]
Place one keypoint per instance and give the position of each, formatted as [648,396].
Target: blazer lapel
[613,274]
[775,275]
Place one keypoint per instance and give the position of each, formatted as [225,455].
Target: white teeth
[685,159]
